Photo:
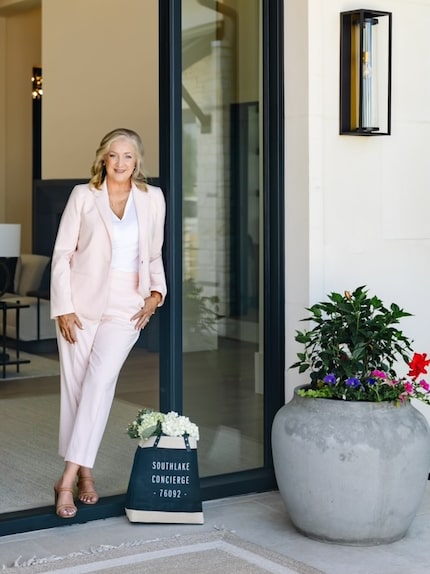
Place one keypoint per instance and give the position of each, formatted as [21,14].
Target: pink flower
[379,374]
[409,389]
[424,384]
[392,382]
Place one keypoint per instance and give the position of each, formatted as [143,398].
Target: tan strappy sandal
[60,508]
[84,492]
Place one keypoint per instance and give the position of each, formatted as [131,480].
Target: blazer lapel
[102,203]
[141,199]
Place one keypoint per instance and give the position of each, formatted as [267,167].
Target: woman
[107,281]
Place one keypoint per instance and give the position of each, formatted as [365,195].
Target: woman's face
[120,161]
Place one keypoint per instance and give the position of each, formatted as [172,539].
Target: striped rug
[213,553]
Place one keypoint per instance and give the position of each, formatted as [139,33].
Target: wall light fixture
[365,72]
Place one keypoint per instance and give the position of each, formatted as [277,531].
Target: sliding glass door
[216,349]
[222,206]
[221,143]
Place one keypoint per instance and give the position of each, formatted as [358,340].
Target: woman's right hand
[66,324]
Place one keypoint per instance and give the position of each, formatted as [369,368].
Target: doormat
[213,553]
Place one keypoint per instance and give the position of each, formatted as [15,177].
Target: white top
[125,236]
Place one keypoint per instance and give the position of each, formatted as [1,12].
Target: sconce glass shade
[365,72]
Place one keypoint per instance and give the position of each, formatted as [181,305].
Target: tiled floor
[258,518]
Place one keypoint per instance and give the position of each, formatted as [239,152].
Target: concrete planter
[351,472]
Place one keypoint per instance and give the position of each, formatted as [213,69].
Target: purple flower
[330,379]
[352,382]
[371,381]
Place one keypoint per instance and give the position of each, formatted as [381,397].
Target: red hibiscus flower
[418,365]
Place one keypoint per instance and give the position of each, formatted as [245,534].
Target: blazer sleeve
[64,248]
[156,267]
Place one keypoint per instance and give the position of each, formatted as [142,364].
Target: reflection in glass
[222,339]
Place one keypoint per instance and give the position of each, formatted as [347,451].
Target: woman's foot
[86,490]
[64,505]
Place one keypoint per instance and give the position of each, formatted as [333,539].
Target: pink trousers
[90,369]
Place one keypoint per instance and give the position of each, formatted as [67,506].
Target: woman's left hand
[143,316]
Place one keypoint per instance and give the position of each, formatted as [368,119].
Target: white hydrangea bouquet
[150,423]
[164,483]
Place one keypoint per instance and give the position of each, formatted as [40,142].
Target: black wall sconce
[365,73]
[37,84]
[37,94]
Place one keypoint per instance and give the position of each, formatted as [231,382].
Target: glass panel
[222,322]
[29,463]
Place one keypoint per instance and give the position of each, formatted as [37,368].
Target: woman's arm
[64,248]
[156,267]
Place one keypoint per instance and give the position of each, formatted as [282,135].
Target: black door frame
[171,382]
[260,479]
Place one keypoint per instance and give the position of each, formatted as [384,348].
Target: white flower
[175,425]
[152,423]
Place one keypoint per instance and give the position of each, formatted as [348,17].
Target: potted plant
[351,453]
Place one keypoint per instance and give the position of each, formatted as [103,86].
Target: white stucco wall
[364,200]
[297,174]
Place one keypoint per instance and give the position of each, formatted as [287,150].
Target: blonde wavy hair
[98,169]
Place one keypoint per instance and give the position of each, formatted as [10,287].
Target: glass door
[222,207]
[216,351]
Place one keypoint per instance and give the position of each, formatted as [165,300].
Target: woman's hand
[67,325]
[143,316]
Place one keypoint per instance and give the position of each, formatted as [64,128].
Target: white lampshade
[10,239]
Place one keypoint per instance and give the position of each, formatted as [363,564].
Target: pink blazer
[83,250]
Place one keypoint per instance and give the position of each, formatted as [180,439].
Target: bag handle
[186,441]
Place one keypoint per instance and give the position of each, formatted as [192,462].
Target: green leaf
[149,431]
[357,323]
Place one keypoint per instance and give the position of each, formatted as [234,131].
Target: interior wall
[21,38]
[100,72]
[8,7]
